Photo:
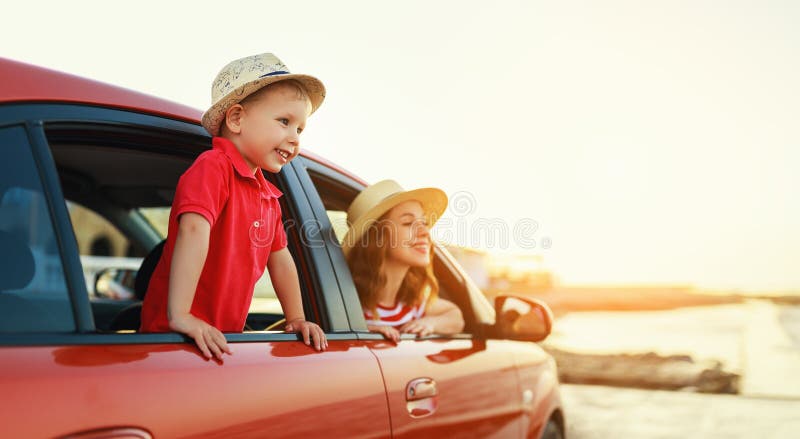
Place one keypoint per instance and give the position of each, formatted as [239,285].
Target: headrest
[146,270]
[17,266]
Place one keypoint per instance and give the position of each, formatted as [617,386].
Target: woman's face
[409,236]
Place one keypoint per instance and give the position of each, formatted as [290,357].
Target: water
[756,339]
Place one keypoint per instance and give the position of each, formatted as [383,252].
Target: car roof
[28,83]
[24,82]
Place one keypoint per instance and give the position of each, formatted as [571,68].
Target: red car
[85,159]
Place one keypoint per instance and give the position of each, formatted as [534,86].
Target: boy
[225,224]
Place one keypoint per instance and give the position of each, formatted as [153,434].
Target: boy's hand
[208,338]
[421,327]
[309,331]
[388,332]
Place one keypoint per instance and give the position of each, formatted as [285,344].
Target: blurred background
[633,164]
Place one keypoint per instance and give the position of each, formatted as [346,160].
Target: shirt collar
[230,150]
[269,189]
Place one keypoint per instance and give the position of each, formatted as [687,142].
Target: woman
[389,251]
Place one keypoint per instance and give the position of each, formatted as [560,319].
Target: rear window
[33,290]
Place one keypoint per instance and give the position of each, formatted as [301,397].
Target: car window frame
[36,116]
[344,280]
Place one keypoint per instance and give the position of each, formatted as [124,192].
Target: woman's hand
[208,338]
[445,317]
[309,331]
[421,327]
[388,332]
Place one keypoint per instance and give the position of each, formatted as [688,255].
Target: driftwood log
[644,371]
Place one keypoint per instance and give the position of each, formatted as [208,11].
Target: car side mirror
[521,318]
[115,283]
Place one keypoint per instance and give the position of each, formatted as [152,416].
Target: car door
[460,386]
[61,376]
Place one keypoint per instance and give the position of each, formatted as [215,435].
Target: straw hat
[379,198]
[243,77]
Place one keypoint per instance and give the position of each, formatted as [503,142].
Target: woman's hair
[367,259]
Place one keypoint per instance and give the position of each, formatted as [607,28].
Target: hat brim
[433,201]
[213,117]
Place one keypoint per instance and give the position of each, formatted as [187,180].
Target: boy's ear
[233,118]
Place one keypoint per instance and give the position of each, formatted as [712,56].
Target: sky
[623,141]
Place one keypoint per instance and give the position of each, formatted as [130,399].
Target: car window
[337,191]
[128,177]
[96,236]
[119,203]
[102,246]
[338,219]
[157,217]
[33,291]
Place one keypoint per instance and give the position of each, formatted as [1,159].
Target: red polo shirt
[246,227]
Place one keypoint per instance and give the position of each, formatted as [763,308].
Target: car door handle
[422,397]
[421,388]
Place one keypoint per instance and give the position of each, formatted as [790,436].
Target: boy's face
[270,128]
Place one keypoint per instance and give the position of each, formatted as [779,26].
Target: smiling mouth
[284,154]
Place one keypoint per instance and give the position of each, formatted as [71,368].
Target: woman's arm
[442,317]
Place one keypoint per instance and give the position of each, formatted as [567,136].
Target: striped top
[398,315]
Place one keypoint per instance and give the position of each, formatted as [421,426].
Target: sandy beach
[598,412]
